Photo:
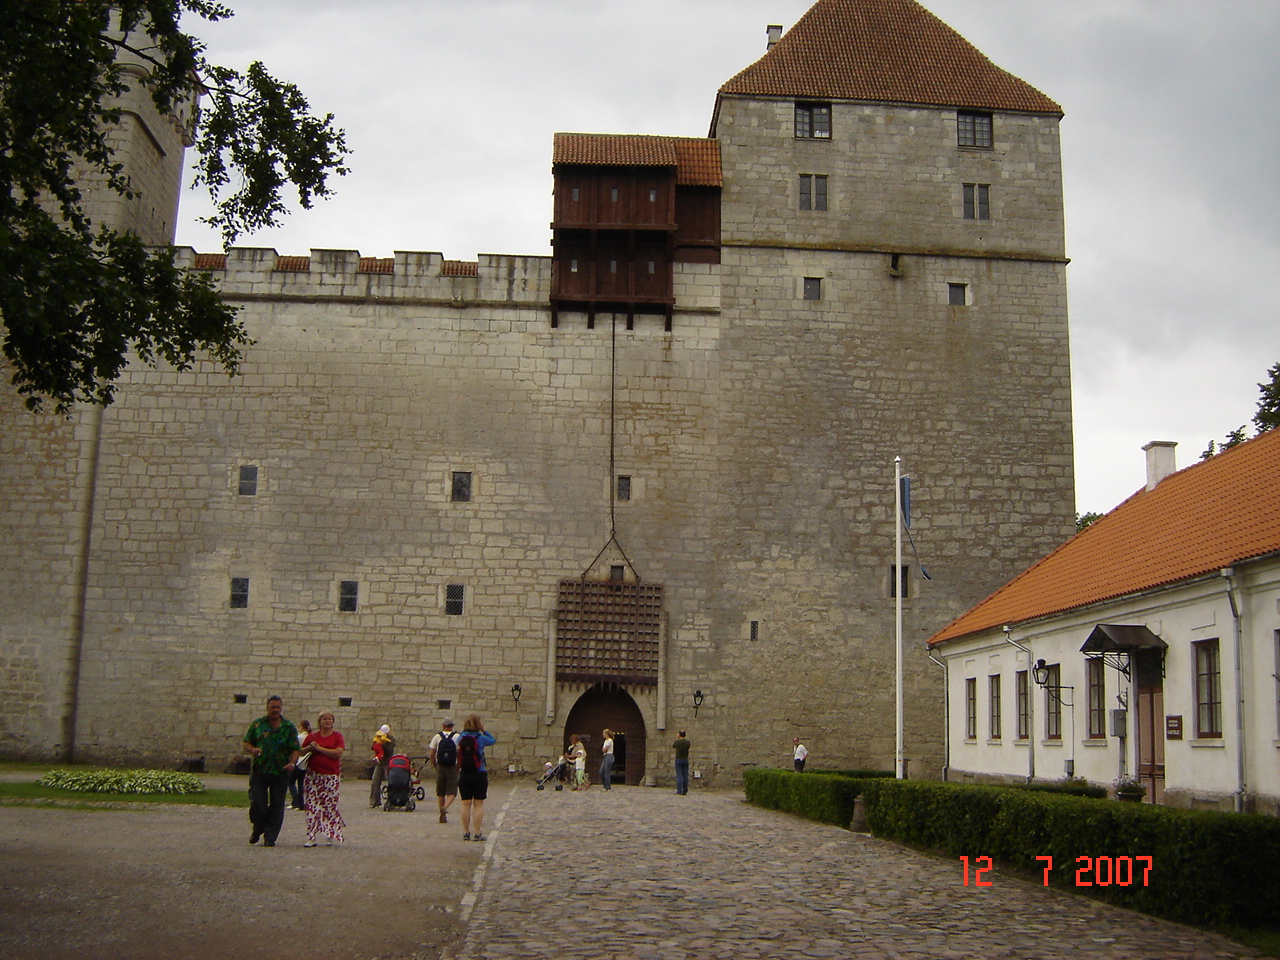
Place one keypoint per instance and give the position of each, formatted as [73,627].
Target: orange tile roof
[293,264]
[887,51]
[697,160]
[210,261]
[1217,513]
[460,268]
[376,265]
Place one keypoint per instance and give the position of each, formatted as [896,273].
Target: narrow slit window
[455,595]
[899,580]
[348,596]
[239,592]
[755,629]
[624,488]
[460,491]
[248,481]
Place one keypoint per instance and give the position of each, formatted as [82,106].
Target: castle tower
[894,285]
[48,463]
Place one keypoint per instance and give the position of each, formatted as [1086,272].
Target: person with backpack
[473,776]
[444,759]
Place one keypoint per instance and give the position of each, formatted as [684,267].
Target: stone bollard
[858,822]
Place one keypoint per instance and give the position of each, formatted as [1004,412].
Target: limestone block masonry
[206,541]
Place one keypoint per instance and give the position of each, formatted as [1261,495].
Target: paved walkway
[641,874]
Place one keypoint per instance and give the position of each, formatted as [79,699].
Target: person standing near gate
[606,760]
[272,741]
[444,758]
[800,754]
[681,747]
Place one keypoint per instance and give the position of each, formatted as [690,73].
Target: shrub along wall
[1205,867]
[1197,866]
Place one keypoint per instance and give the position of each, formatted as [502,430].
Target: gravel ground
[183,883]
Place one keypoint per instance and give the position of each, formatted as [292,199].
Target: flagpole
[899,772]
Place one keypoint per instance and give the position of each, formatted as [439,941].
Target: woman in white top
[606,760]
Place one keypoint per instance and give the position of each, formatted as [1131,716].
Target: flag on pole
[906,501]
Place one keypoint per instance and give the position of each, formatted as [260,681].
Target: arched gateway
[608,705]
[608,635]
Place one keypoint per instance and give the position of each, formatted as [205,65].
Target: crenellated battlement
[341,275]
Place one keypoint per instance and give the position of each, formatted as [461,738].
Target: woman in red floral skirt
[324,775]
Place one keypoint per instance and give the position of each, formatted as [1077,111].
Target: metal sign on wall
[608,630]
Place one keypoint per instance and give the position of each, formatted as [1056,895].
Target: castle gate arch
[609,705]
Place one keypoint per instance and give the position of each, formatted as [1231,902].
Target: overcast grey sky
[1171,153]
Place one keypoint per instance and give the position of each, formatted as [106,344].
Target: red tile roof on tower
[1215,514]
[697,160]
[886,51]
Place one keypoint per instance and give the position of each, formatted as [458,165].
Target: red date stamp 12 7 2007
[1090,871]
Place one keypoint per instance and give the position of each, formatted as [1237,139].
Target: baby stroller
[561,772]
[399,784]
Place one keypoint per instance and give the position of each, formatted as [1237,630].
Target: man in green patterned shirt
[272,741]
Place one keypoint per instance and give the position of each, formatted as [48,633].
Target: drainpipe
[946,716]
[1228,574]
[1031,710]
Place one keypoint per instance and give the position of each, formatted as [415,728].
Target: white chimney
[774,30]
[1160,461]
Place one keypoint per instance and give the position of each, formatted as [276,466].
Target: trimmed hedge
[1207,868]
[825,797]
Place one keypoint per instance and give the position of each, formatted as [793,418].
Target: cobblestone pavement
[642,874]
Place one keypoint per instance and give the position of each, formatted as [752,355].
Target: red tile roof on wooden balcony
[884,51]
[460,268]
[696,159]
[1216,514]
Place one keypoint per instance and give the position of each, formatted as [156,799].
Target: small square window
[617,573]
[348,595]
[813,121]
[240,698]
[444,704]
[239,592]
[957,294]
[576,194]
[460,491]
[813,288]
[344,701]
[455,595]
[248,481]
[613,195]
[977,201]
[973,129]
[624,488]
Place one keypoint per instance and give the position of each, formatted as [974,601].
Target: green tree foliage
[1086,519]
[77,298]
[1266,418]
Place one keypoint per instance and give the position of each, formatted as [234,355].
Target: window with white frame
[1208,659]
[1053,703]
[813,121]
[1022,703]
[1096,708]
[971,708]
[993,707]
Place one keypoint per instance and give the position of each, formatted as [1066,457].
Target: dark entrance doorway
[609,705]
